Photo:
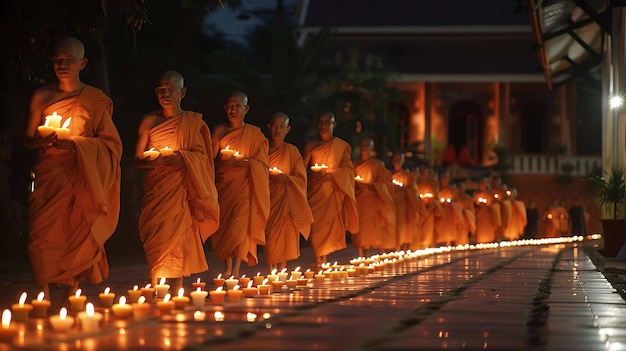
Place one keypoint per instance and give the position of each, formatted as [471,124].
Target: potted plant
[610,195]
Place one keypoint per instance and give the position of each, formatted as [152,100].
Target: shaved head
[171,76]
[239,94]
[70,43]
[279,116]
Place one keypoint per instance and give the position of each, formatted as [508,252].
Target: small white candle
[140,309]
[63,133]
[106,297]
[162,288]
[77,302]
[21,309]
[40,306]
[231,282]
[166,151]
[90,319]
[62,321]
[151,154]
[122,309]
[8,331]
[198,297]
[227,152]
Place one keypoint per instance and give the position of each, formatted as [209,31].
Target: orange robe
[488,217]
[556,222]
[244,196]
[515,227]
[75,206]
[430,210]
[506,211]
[406,203]
[290,214]
[447,226]
[375,206]
[179,208]
[469,217]
[332,198]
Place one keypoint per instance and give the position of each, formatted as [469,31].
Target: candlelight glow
[66,124]
[90,309]
[236,287]
[122,300]
[397,182]
[167,297]
[41,296]
[198,281]
[22,299]
[148,286]
[107,290]
[218,316]
[142,299]
[181,292]
[6,319]
[63,313]
[265,281]
[219,275]
[274,271]
[135,287]
[162,281]
[78,292]
[250,284]
[219,288]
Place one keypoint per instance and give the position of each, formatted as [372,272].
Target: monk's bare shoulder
[149,120]
[310,145]
[219,131]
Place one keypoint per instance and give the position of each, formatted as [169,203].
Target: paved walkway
[549,297]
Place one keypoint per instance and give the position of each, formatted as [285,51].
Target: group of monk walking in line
[231,186]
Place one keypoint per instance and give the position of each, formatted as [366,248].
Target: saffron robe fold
[244,196]
[406,200]
[375,206]
[290,213]
[332,198]
[430,210]
[179,208]
[451,221]
[488,217]
[469,216]
[75,206]
[515,226]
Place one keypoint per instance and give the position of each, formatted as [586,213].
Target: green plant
[610,190]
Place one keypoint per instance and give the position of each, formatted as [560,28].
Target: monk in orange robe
[488,214]
[556,219]
[430,209]
[242,181]
[469,215]
[405,200]
[330,189]
[74,208]
[179,208]
[451,220]
[499,191]
[290,214]
[515,228]
[374,203]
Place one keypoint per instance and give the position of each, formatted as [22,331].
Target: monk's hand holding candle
[65,144]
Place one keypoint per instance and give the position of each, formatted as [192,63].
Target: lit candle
[272,276]
[249,291]
[320,277]
[134,294]
[296,274]
[218,316]
[351,271]
[166,306]
[62,321]
[243,280]
[63,133]
[140,309]
[218,281]
[106,297]
[198,284]
[77,302]
[275,171]
[335,275]
[122,309]
[162,288]
[54,120]
[198,297]
[40,306]
[251,317]
[151,154]
[234,294]
[227,153]
[358,179]
[282,275]
[45,130]
[292,283]
[309,274]
[231,282]
[257,279]
[181,300]
[90,319]
[397,183]
[302,281]
[21,310]
[148,292]
[8,331]
[264,288]
[217,295]
[343,274]
[166,151]
[277,285]
[316,168]
[237,155]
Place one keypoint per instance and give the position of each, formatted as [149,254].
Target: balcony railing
[542,164]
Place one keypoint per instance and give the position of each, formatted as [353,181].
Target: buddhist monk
[488,215]
[556,219]
[469,215]
[430,209]
[330,189]
[499,191]
[290,214]
[374,203]
[74,208]
[515,228]
[179,208]
[242,181]
[405,200]
[448,225]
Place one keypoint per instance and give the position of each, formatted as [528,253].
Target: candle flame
[236,287]
[198,281]
[320,272]
[162,281]
[227,147]
[308,269]
[63,313]
[231,277]
[6,319]
[250,284]
[199,289]
[274,271]
[167,297]
[46,122]
[122,300]
[219,316]
[152,149]
[141,300]
[181,292]
[22,299]
[283,270]
[219,288]
[265,281]
[67,122]
[107,290]
[90,309]
[219,275]
[258,274]
[135,287]
[250,316]
[243,276]
[166,147]
[78,292]
[41,296]
[148,286]
[291,277]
